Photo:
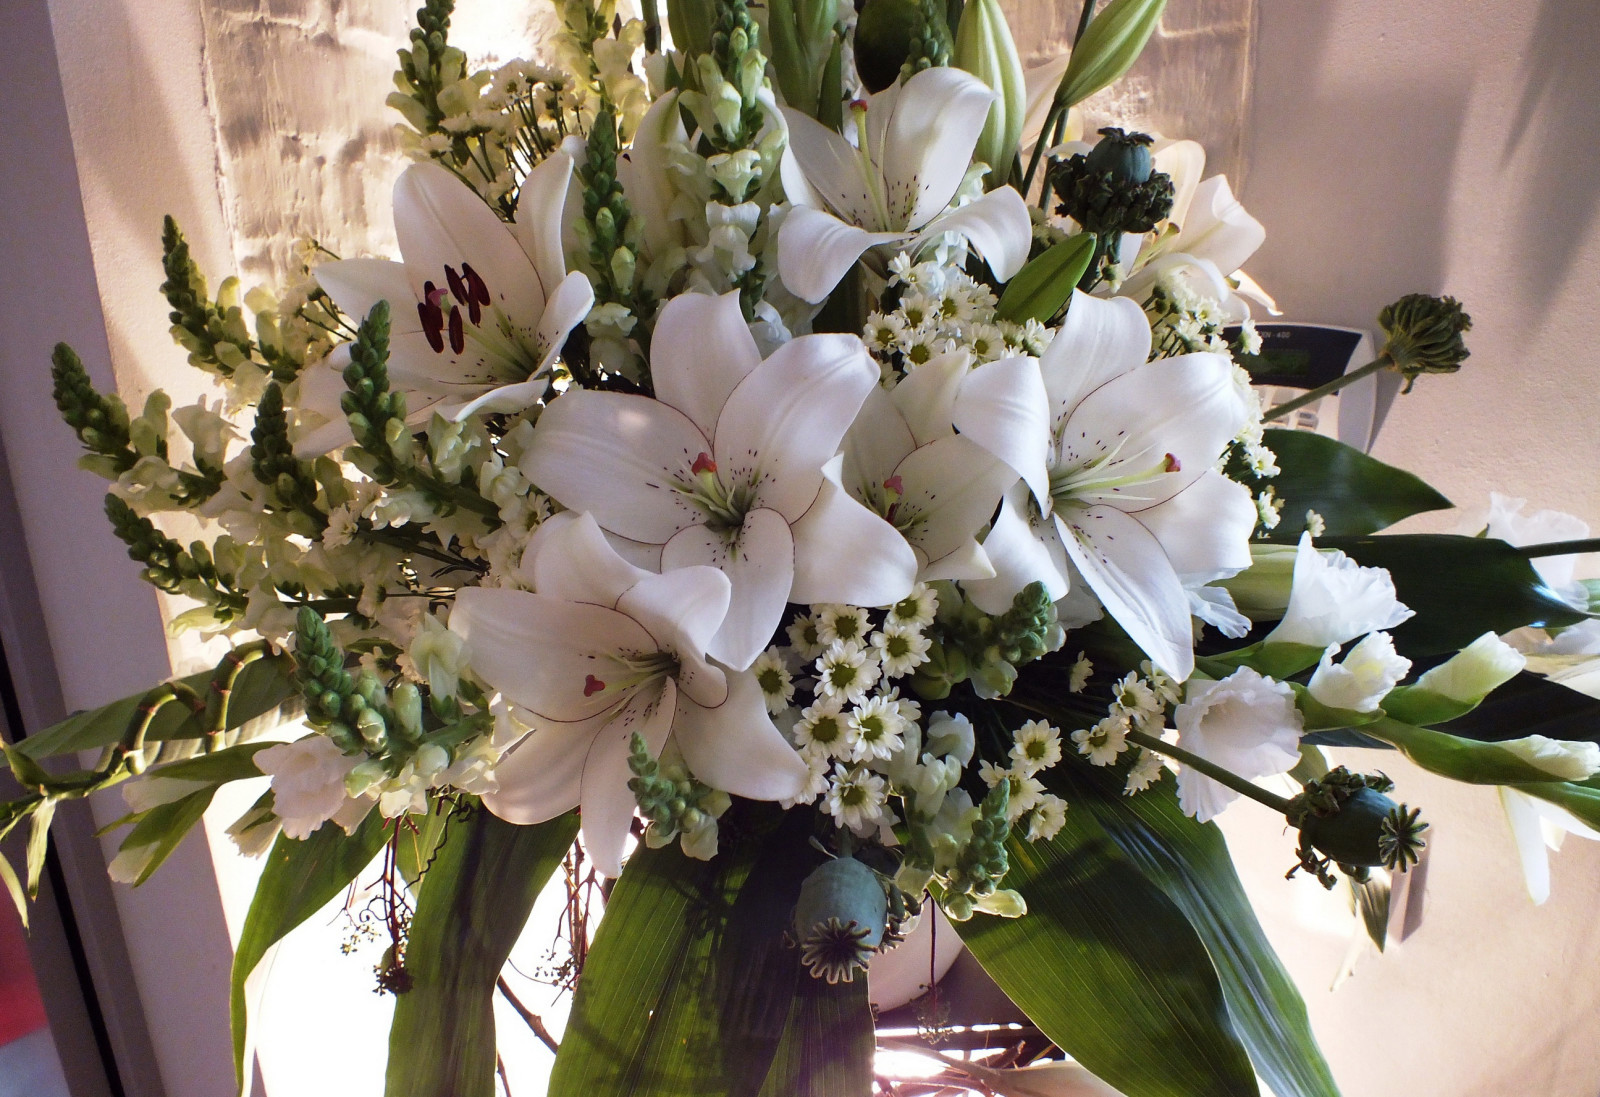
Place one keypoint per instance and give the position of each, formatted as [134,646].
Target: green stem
[1561,548]
[1083,22]
[1215,772]
[225,678]
[1039,147]
[1381,362]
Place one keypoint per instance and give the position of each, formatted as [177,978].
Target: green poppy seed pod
[1368,829]
[1125,156]
[984,47]
[883,40]
[840,919]
[1424,335]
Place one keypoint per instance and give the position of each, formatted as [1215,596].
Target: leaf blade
[1355,494]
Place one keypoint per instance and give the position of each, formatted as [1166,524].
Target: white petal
[996,225]
[554,658]
[542,776]
[1185,163]
[736,747]
[782,423]
[954,486]
[843,552]
[321,388]
[1022,548]
[1002,407]
[608,802]
[540,202]
[503,399]
[701,349]
[832,170]
[759,563]
[1218,228]
[877,441]
[1523,818]
[569,558]
[644,173]
[621,457]
[926,398]
[1041,83]
[923,141]
[568,305]
[1098,340]
[969,561]
[1125,566]
[682,609]
[816,250]
[1205,529]
[357,284]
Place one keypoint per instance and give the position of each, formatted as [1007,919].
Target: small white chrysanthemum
[847,623]
[822,727]
[918,309]
[1035,746]
[777,684]
[884,332]
[920,346]
[991,774]
[876,729]
[916,609]
[987,342]
[1269,508]
[1047,818]
[804,636]
[857,797]
[1166,686]
[901,648]
[1315,525]
[816,761]
[846,671]
[1145,772]
[1104,741]
[1078,677]
[1026,793]
[1136,696]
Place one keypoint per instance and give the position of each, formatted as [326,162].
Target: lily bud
[1108,48]
[984,47]
[883,40]
[1424,335]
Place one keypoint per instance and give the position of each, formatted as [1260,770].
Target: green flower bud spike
[1422,334]
[1345,818]
[840,919]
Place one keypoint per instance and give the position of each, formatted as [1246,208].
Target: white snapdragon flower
[1245,723]
[308,783]
[439,656]
[1366,675]
[1334,599]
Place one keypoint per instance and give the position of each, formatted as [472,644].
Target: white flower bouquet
[792,475]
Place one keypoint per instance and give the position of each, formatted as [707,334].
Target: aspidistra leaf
[1355,494]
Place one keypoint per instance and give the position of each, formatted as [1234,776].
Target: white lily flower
[1537,825]
[1363,679]
[1247,724]
[602,649]
[904,459]
[1118,479]
[914,145]
[1334,599]
[730,466]
[480,308]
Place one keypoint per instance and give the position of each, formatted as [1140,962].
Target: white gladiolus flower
[892,189]
[307,782]
[1245,723]
[1563,760]
[1538,826]
[1473,672]
[726,467]
[600,650]
[1363,679]
[479,307]
[1334,599]
[1119,480]
[1507,522]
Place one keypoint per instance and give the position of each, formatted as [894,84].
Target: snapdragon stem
[1313,395]
[1561,548]
[1215,772]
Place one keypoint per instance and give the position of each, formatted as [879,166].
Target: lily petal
[1099,340]
[1528,833]
[568,557]
[953,485]
[759,562]
[926,397]
[736,747]
[1003,407]
[1218,228]
[565,310]
[701,350]
[922,134]
[996,225]
[832,171]
[816,250]
[357,284]
[1205,529]
[540,204]
[843,552]
[608,802]
[682,609]
[542,776]
[1022,548]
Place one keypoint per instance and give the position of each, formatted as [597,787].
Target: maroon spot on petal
[592,686]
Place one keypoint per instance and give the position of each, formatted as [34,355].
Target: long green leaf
[1042,286]
[1354,493]
[828,1044]
[162,828]
[39,844]
[1111,970]
[1189,862]
[470,911]
[300,877]
[1460,587]
[261,686]
[8,877]
[1530,705]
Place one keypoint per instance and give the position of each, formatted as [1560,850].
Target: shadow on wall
[1552,129]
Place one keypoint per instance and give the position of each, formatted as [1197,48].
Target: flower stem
[1215,772]
[1320,391]
[1561,548]
[1083,22]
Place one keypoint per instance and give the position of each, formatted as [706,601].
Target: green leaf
[1109,47]
[1460,587]
[236,763]
[299,879]
[828,1044]
[1530,705]
[1042,286]
[479,891]
[162,828]
[1111,969]
[1190,863]
[1354,493]
[25,769]
[39,843]
[416,848]
[261,686]
[1459,759]
[8,877]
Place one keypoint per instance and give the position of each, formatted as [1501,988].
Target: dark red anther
[592,686]
[1173,464]
[458,334]
[703,463]
[458,288]
[432,325]
[477,294]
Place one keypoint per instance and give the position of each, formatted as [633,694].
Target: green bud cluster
[1424,335]
[429,64]
[170,567]
[1345,818]
[982,862]
[1113,188]
[609,224]
[368,403]
[101,422]
[970,644]
[272,459]
[736,49]
[930,44]
[214,332]
[673,805]
[356,712]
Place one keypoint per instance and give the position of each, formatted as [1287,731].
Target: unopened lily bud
[1424,335]
[984,47]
